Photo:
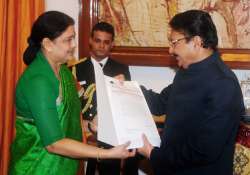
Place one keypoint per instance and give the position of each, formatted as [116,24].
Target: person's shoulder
[112,61]
[220,75]
[223,71]
[75,62]
[36,68]
[38,72]
[36,80]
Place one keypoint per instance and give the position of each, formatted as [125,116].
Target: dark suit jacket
[85,72]
[203,106]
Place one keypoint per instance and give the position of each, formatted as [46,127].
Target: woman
[48,131]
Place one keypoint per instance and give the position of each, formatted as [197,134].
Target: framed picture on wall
[142,28]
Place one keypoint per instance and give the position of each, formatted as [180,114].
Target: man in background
[101,42]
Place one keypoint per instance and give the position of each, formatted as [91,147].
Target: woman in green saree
[48,131]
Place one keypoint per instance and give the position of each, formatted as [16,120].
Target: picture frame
[145,56]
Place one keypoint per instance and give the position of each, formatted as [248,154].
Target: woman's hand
[147,147]
[121,151]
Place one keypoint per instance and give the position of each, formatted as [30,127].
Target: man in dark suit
[101,42]
[203,105]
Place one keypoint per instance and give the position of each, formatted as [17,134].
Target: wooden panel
[145,56]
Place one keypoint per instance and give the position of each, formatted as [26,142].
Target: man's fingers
[126,144]
[120,77]
[145,139]
[132,153]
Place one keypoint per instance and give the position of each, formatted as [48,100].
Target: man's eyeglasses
[174,42]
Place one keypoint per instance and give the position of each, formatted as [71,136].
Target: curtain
[16,18]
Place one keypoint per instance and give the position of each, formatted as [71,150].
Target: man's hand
[121,151]
[120,77]
[94,124]
[147,147]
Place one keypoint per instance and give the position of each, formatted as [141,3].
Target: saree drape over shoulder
[47,110]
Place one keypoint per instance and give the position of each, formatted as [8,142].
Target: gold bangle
[98,156]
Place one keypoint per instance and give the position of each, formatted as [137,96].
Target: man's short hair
[196,23]
[104,27]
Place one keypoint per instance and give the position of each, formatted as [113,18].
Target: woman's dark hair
[196,23]
[50,25]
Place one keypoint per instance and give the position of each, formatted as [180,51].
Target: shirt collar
[204,63]
[103,61]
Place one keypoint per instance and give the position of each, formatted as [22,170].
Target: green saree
[45,114]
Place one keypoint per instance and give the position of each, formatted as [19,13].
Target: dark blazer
[85,73]
[203,106]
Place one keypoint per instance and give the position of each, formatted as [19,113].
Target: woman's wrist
[98,157]
[102,154]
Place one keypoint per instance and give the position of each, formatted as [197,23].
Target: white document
[123,114]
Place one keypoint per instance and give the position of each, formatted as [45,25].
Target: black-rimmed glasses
[174,42]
